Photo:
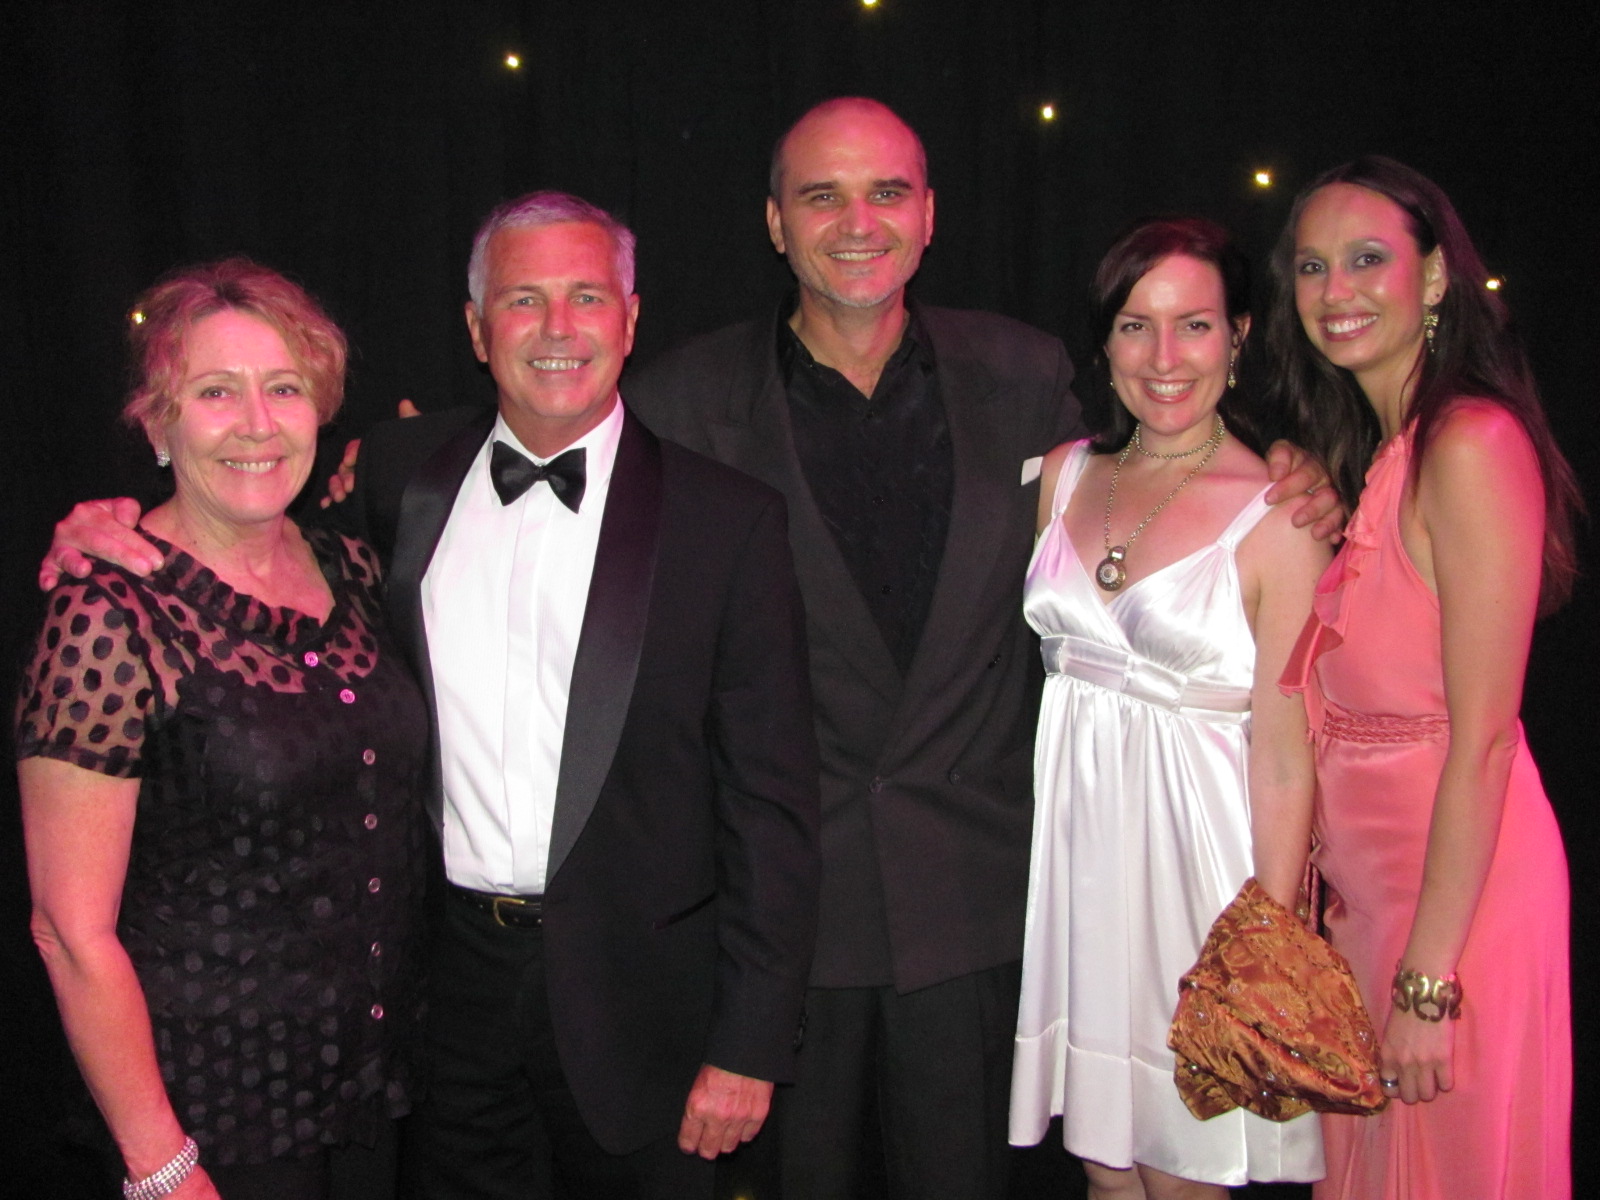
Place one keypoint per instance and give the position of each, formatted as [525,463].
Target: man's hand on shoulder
[723,1110]
[342,483]
[1298,476]
[103,528]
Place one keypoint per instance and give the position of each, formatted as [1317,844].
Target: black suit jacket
[927,781]
[681,897]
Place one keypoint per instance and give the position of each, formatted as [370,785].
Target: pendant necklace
[1110,574]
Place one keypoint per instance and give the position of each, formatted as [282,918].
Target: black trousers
[499,1121]
[349,1172]
[935,1064]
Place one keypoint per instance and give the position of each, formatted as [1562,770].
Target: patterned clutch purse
[1269,1019]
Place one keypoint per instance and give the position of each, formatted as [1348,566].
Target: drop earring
[1430,324]
[163,459]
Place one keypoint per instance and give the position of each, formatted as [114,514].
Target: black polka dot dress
[274,886]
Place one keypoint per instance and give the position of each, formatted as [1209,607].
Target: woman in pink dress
[1447,881]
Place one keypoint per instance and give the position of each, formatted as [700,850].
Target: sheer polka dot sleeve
[89,691]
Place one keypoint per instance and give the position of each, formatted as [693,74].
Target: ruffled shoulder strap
[1330,612]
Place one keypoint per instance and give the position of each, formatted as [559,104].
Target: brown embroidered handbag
[1269,1019]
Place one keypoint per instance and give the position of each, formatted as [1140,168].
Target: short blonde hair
[162,317]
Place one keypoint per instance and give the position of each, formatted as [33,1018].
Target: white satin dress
[1141,837]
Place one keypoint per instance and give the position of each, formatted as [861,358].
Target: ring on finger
[1389,1082]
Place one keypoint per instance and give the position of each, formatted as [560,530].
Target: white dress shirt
[503,601]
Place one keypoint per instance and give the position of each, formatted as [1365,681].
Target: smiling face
[243,428]
[555,329]
[1361,284]
[1170,347]
[854,211]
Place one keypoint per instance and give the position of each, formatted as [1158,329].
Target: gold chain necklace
[1138,444]
[1110,574]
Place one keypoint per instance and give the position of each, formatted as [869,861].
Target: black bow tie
[515,473]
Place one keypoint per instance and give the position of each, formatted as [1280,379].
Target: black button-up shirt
[880,470]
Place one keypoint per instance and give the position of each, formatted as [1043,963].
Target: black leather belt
[514,912]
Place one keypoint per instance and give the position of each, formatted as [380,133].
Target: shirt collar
[600,444]
[793,355]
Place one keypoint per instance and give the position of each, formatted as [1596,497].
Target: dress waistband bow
[1132,675]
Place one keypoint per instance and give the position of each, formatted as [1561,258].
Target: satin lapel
[987,489]
[425,506]
[756,437]
[614,619]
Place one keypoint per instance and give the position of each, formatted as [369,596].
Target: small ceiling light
[1263,179]
[1494,283]
[1047,112]
[869,3]
[513,61]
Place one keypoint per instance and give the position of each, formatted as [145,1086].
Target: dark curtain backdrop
[355,145]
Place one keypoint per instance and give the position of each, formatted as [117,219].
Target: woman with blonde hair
[220,765]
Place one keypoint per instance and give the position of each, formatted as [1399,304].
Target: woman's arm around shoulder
[1279,565]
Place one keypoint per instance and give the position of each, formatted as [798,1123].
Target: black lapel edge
[759,440]
[983,499]
[609,645]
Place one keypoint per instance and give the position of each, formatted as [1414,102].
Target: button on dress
[267,801]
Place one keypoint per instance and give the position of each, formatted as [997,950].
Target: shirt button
[369,757]
[377,949]
[347,696]
[955,775]
[876,785]
[311,658]
[370,821]
[377,1012]
[374,884]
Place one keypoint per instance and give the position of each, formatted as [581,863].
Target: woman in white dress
[1169,766]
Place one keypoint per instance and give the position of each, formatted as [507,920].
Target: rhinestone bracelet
[168,1179]
[1426,998]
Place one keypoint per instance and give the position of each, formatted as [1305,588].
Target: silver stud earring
[163,459]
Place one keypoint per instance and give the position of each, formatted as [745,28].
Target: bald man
[899,434]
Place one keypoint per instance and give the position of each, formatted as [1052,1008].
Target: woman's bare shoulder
[1475,442]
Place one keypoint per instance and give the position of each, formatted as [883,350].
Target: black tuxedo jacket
[681,899]
[927,779]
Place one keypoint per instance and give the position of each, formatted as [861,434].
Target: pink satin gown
[1369,663]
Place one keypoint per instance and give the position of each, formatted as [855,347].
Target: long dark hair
[1475,353]
[1138,249]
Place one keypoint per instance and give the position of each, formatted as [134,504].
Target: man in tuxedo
[899,433]
[625,774]
[628,774]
